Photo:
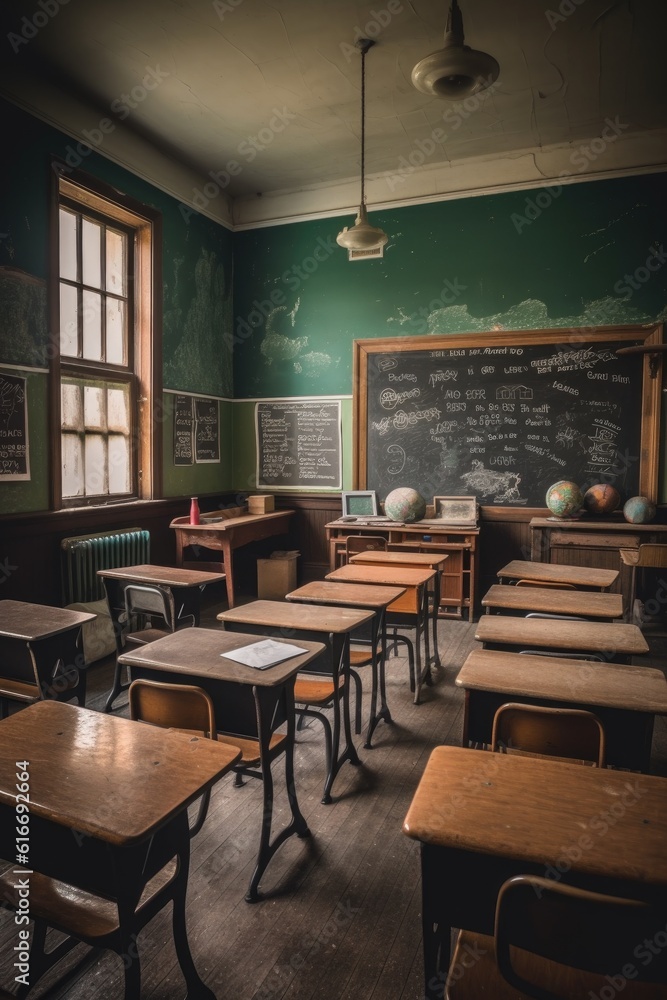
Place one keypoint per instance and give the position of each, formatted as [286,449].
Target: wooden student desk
[375,599]
[225,536]
[483,818]
[41,655]
[625,698]
[582,577]
[591,605]
[411,609]
[616,643]
[332,627]
[458,581]
[182,587]
[432,560]
[108,805]
[248,702]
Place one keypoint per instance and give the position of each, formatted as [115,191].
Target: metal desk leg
[378,633]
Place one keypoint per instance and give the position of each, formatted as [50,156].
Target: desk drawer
[599,540]
[406,603]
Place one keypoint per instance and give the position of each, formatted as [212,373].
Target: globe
[564,499]
[639,510]
[602,499]
[405,504]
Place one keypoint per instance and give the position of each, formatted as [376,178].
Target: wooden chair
[537,730]
[648,556]
[190,709]
[362,543]
[558,942]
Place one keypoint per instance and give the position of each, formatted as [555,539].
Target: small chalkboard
[183,430]
[207,430]
[14,450]
[503,415]
[298,444]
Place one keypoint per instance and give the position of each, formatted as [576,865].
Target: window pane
[119,464]
[72,459]
[68,320]
[94,408]
[91,253]
[71,415]
[118,410]
[116,332]
[68,226]
[116,262]
[92,326]
[96,464]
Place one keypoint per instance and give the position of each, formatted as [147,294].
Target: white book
[263,654]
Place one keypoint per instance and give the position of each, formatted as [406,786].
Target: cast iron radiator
[83,555]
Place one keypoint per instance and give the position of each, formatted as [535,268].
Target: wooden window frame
[91,196]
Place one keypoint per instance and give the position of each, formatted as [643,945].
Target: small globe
[602,499]
[639,510]
[564,499]
[405,504]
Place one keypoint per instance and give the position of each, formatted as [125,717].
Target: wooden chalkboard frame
[647,336]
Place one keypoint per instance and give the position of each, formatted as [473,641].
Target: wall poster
[14,445]
[299,444]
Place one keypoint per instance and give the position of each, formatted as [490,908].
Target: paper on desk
[263,654]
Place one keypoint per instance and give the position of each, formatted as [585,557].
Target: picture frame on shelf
[456,510]
[359,503]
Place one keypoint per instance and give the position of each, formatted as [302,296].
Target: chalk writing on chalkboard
[14,449]
[207,430]
[503,421]
[183,431]
[299,444]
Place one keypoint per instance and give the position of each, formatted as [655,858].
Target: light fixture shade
[456,70]
[361,236]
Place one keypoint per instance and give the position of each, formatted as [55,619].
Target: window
[106,365]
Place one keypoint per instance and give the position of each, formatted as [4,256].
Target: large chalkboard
[504,415]
[298,444]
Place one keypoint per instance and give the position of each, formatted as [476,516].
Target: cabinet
[458,582]
[593,543]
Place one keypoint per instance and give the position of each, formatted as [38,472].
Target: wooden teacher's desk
[483,818]
[581,577]
[107,802]
[458,581]
[41,655]
[614,642]
[375,599]
[332,627]
[225,536]
[248,702]
[591,605]
[625,698]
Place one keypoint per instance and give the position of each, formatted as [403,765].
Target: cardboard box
[276,576]
[261,504]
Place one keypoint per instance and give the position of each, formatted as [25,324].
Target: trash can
[276,576]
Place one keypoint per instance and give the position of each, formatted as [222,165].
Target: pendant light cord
[364,44]
[363,122]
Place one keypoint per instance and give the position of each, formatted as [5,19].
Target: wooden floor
[341,917]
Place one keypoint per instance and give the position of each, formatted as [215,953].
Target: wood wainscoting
[30,560]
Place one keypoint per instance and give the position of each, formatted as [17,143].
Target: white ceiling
[222,71]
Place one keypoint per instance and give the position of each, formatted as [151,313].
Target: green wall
[522,260]
[197,295]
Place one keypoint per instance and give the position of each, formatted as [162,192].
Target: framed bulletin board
[503,415]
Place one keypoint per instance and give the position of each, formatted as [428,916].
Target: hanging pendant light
[456,70]
[362,236]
